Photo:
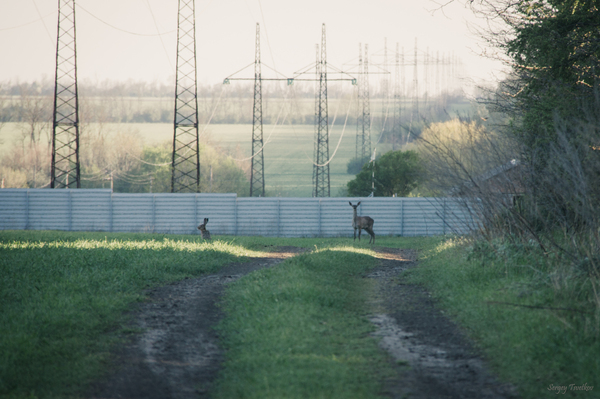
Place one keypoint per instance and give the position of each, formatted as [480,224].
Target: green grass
[535,348]
[296,330]
[299,330]
[63,296]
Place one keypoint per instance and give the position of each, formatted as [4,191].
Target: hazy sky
[117,39]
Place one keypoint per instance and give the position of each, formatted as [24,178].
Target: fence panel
[102,210]
[14,209]
[90,210]
[49,210]
[298,217]
[175,214]
[336,217]
[421,217]
[132,213]
[257,217]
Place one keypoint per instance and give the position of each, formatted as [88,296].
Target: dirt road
[433,357]
[177,353]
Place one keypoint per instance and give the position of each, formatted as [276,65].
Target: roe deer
[362,222]
[205,233]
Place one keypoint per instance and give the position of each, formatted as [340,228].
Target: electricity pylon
[257,174]
[415,109]
[396,127]
[363,127]
[321,158]
[186,148]
[65,170]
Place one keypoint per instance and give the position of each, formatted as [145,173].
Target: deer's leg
[372,234]
[359,231]
[354,234]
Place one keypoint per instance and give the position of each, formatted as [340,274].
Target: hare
[205,233]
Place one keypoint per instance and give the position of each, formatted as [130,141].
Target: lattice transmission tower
[397,105]
[363,126]
[64,169]
[186,149]
[321,180]
[385,91]
[415,109]
[257,174]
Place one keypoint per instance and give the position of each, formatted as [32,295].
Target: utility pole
[396,127]
[385,91]
[321,163]
[363,140]
[416,85]
[65,123]
[359,115]
[257,174]
[185,165]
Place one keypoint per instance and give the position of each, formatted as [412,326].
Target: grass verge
[538,328]
[299,330]
[63,296]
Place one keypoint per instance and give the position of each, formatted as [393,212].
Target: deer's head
[354,206]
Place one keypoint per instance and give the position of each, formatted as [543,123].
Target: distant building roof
[500,179]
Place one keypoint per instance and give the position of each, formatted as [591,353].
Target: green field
[288,152]
[64,299]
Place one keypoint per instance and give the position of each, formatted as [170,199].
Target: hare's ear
[205,220]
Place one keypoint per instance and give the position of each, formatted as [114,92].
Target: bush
[395,173]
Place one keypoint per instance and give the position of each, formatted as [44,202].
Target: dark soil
[433,357]
[177,353]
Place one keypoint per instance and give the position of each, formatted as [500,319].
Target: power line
[160,36]
[31,22]
[44,23]
[124,30]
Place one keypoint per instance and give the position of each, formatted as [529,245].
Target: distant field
[289,150]
[288,153]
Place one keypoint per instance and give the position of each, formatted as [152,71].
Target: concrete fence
[103,210]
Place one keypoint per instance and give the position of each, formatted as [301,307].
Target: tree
[552,97]
[556,53]
[396,173]
[355,165]
[553,49]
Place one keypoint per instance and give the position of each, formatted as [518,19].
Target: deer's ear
[358,203]
[350,203]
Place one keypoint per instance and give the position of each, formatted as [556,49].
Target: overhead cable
[123,30]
